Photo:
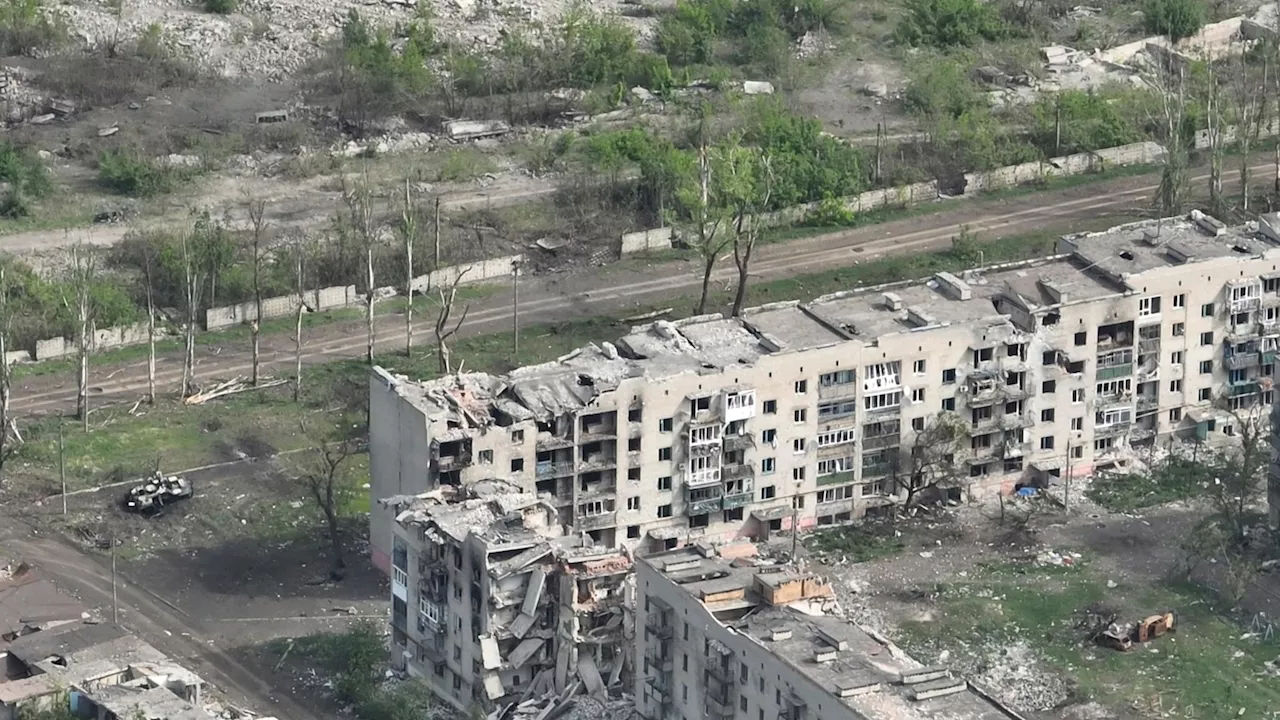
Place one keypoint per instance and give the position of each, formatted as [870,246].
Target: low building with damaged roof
[492,600]
[823,412]
[736,637]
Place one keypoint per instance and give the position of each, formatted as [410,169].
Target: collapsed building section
[493,603]
[728,636]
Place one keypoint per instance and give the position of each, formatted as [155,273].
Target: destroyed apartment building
[726,635]
[492,602]
[823,412]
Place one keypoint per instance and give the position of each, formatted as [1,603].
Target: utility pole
[1066,488]
[436,250]
[62,465]
[515,308]
[115,601]
[795,533]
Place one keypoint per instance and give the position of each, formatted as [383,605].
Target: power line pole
[115,600]
[515,308]
[62,465]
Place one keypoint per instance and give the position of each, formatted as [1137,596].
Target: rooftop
[30,602]
[1090,266]
[861,669]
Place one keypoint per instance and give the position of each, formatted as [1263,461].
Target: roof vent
[825,655]
[833,641]
[892,301]
[853,686]
[779,633]
[953,287]
[1177,253]
[1208,223]
[917,317]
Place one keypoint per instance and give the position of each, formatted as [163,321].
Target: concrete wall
[399,459]
[475,272]
[103,339]
[330,298]
[645,240]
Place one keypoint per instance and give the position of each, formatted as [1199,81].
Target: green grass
[1172,480]
[1205,670]
[857,544]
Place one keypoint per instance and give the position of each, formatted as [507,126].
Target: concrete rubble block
[757,87]
[459,130]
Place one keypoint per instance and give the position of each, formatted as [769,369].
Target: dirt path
[152,618]
[619,289]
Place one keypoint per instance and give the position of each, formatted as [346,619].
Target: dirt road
[147,615]
[559,298]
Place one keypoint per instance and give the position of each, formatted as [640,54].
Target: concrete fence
[330,298]
[103,339]
[645,240]
[469,273]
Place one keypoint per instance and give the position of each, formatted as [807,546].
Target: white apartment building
[715,428]
[723,637]
[492,601]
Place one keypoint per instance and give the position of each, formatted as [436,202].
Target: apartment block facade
[490,598]
[730,638]
[716,428]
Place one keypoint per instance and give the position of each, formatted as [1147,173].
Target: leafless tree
[1216,118]
[750,187]
[931,459]
[8,441]
[192,289]
[322,476]
[301,250]
[1248,94]
[445,327]
[408,229]
[80,275]
[258,247]
[1170,85]
[706,235]
[360,221]
[150,253]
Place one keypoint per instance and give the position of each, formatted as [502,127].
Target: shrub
[221,7]
[685,38]
[25,28]
[940,87]
[1176,19]
[26,176]
[1076,121]
[949,23]
[127,172]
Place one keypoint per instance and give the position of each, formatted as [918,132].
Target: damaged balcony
[1244,387]
[886,434]
[596,514]
[598,455]
[1115,364]
[701,501]
[738,443]
[987,388]
[597,427]
[450,454]
[739,405]
[738,471]
[548,469]
[737,494]
[1244,295]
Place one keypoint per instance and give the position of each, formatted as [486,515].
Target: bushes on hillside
[1176,19]
[949,23]
[25,28]
[26,177]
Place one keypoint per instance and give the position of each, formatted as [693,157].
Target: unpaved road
[618,289]
[152,618]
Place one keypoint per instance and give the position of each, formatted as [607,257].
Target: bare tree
[408,229]
[80,275]
[931,460]
[748,187]
[446,328]
[192,289]
[257,213]
[322,476]
[1170,84]
[705,236]
[360,222]
[1249,97]
[301,248]
[149,259]
[8,441]
[1216,118]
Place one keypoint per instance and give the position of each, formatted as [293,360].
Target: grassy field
[1210,668]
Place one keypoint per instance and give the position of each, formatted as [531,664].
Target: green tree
[1074,121]
[949,23]
[26,176]
[1175,19]
[686,36]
